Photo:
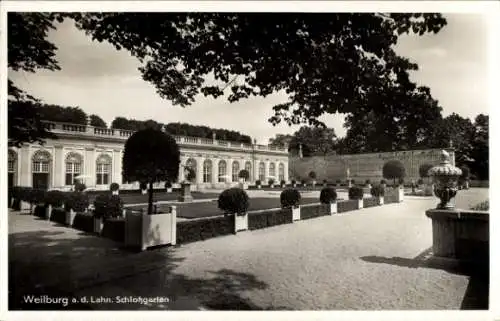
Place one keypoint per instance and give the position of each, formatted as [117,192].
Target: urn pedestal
[185,193]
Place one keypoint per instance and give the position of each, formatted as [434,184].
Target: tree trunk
[150,198]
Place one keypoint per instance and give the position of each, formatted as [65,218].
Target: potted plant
[368,183]
[338,183]
[465,177]
[393,169]
[143,186]
[168,186]
[312,176]
[115,188]
[328,196]
[290,198]
[150,156]
[356,193]
[235,201]
[420,182]
[54,199]
[258,183]
[325,183]
[271,183]
[77,202]
[283,183]
[378,191]
[80,187]
[294,183]
[304,183]
[243,175]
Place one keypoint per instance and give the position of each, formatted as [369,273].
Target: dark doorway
[11,180]
[41,180]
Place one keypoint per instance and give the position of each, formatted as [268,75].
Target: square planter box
[169,190]
[380,200]
[360,204]
[48,212]
[98,225]
[333,208]
[25,206]
[143,230]
[400,194]
[243,185]
[296,213]
[70,217]
[240,222]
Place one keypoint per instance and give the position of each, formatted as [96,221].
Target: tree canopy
[315,141]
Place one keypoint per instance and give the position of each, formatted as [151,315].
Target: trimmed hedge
[370,202]
[84,222]
[58,215]
[269,218]
[346,206]
[308,212]
[199,230]
[114,228]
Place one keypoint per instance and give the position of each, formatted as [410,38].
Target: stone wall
[361,167]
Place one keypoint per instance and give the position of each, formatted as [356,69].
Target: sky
[103,81]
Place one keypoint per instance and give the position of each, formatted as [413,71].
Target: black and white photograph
[210,157]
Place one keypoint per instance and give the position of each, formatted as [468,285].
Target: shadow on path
[477,294]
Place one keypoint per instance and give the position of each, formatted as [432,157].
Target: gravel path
[365,260]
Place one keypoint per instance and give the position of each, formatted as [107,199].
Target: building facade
[95,155]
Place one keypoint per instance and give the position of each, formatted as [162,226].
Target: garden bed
[370,202]
[206,228]
[312,211]
[267,218]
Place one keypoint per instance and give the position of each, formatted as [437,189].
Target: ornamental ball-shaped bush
[355,193]
[383,181]
[56,198]
[77,202]
[377,191]
[258,182]
[423,170]
[328,195]
[271,181]
[283,183]
[290,198]
[36,196]
[107,205]
[80,187]
[312,175]
[367,182]
[420,181]
[168,184]
[114,187]
[244,174]
[143,186]
[393,169]
[234,201]
[303,182]
[294,182]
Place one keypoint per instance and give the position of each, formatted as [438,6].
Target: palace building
[95,155]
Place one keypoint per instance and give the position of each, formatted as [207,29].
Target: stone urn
[445,177]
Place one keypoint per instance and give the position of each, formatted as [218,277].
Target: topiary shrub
[258,182]
[151,156]
[368,182]
[312,175]
[114,187]
[143,186]
[168,184]
[244,174]
[56,198]
[303,182]
[423,170]
[401,181]
[355,193]
[283,183]
[328,195]
[290,198]
[80,187]
[35,196]
[77,202]
[107,206]
[420,181]
[325,181]
[293,182]
[393,169]
[271,181]
[377,191]
[234,201]
[383,181]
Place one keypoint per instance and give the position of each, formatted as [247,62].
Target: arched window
[248,167]
[281,172]
[222,171]
[262,173]
[73,167]
[191,163]
[272,170]
[103,169]
[41,169]
[207,171]
[12,167]
[236,170]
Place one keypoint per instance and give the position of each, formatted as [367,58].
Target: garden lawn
[159,197]
[209,209]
